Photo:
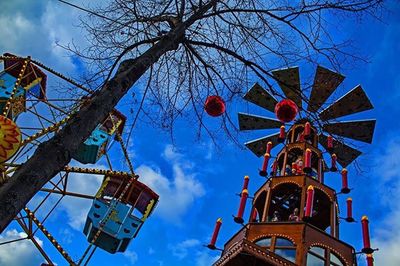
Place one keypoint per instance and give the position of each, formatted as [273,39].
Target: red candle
[301,137]
[274,167]
[344,178]
[281,137]
[345,185]
[263,171]
[269,147]
[333,163]
[370,260]
[215,234]
[246,182]
[243,198]
[349,202]
[320,171]
[365,231]
[330,143]
[254,215]
[265,163]
[310,199]
[307,129]
[307,161]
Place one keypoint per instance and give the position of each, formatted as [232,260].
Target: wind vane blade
[249,122]
[289,81]
[354,101]
[261,97]
[325,83]
[345,154]
[362,130]
[258,146]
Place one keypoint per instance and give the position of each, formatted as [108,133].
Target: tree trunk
[51,156]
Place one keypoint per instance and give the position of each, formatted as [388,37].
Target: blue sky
[196,182]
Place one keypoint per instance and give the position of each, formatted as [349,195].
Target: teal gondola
[115,219]
[95,146]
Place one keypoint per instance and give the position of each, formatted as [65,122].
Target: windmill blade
[261,97]
[362,130]
[249,122]
[258,146]
[325,83]
[354,101]
[345,154]
[289,81]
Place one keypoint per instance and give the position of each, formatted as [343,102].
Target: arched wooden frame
[327,252]
[323,207]
[260,204]
[297,129]
[273,243]
[269,208]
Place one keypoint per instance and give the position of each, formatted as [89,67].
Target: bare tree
[186,50]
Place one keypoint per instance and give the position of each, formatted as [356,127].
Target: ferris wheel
[35,102]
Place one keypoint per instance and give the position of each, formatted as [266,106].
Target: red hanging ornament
[214,105]
[286,110]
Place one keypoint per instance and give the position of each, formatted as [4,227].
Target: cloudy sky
[196,183]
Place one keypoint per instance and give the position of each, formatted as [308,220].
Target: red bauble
[286,110]
[214,105]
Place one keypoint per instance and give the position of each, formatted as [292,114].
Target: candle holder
[213,247]
[238,220]
[307,170]
[345,190]
[348,219]
[368,250]
[262,173]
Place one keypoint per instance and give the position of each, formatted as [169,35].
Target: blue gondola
[117,222]
[91,150]
[7,84]
[31,84]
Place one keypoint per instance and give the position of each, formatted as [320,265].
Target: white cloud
[181,249]
[26,34]
[387,239]
[67,236]
[176,194]
[151,251]
[132,256]
[205,259]
[19,253]
[170,153]
[78,208]
[387,236]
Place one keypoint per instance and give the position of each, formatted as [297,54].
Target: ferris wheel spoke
[47,234]
[45,131]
